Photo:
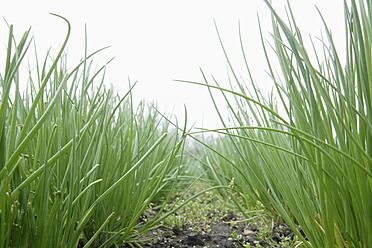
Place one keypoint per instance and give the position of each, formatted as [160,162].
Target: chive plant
[311,164]
[78,163]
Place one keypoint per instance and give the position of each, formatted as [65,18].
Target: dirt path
[225,233]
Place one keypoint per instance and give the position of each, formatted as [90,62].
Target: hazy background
[155,42]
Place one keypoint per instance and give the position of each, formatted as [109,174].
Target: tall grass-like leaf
[79,164]
[311,164]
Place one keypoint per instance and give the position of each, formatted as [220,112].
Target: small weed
[199,214]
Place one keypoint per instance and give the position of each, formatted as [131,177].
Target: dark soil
[225,233]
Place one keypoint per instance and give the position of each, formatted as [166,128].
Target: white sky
[155,42]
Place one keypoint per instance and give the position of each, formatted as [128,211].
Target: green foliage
[197,214]
[309,164]
[78,164]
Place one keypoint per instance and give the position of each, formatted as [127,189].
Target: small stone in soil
[194,239]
